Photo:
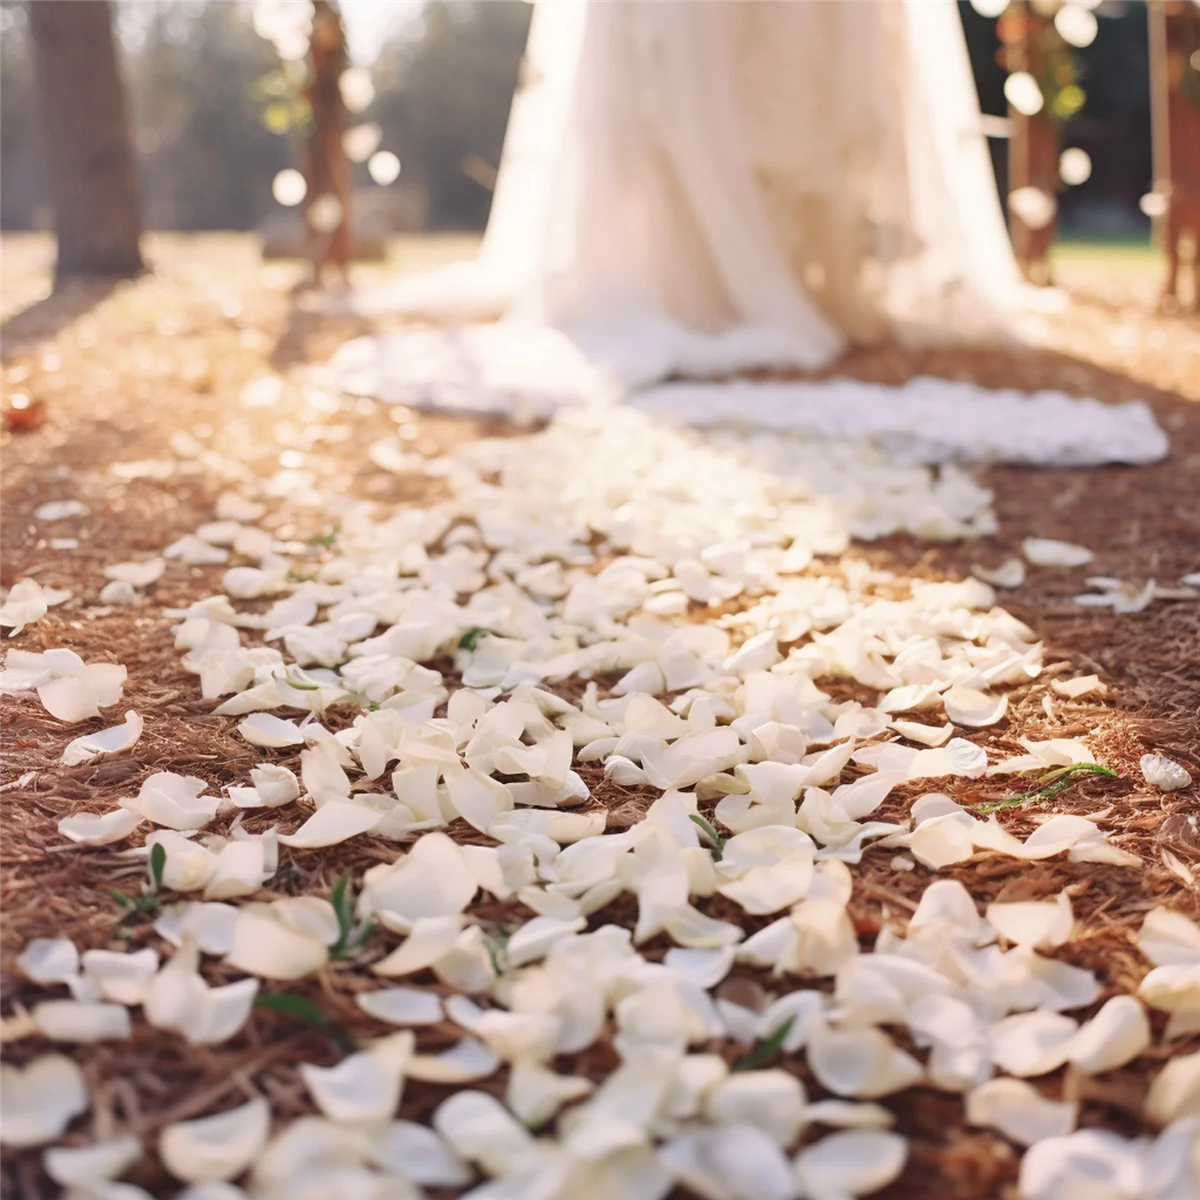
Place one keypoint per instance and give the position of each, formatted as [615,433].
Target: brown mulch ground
[120,374]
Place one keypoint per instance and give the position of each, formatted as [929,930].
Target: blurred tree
[207,158]
[444,86]
[92,174]
[326,168]
[1113,126]
[23,198]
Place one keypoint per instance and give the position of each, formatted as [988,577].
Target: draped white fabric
[808,168]
[694,188]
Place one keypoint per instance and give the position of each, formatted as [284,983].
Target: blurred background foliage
[212,123]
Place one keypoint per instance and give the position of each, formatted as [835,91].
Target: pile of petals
[688,576]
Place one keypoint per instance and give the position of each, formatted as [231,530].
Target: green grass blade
[158,863]
[1050,785]
[767,1050]
[302,1009]
[714,839]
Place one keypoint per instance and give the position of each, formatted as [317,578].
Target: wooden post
[327,216]
[1033,145]
[93,176]
[1175,109]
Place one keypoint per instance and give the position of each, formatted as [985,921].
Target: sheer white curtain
[700,185]
[693,188]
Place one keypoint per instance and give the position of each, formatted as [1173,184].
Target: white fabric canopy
[694,189]
[811,170]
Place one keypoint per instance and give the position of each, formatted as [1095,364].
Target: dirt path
[159,394]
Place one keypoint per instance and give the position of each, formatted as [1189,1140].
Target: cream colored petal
[1047,552]
[270,731]
[1116,1035]
[84,1165]
[332,824]
[1041,924]
[40,1100]
[49,960]
[467,1060]
[861,1062]
[402,1006]
[1032,1043]
[107,742]
[478,1128]
[1019,1111]
[365,1086]
[91,830]
[855,1162]
[1175,1092]
[415,1152]
[69,699]
[772,1101]
[217,1147]
[973,708]
[78,1021]
[535,1093]
[264,947]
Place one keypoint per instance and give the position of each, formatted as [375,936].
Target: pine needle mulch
[119,377]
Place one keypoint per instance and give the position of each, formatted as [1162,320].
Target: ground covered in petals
[410,805]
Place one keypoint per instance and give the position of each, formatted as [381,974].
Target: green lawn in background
[1125,255]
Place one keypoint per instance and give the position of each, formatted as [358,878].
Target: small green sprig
[715,841]
[1048,787]
[351,936]
[765,1051]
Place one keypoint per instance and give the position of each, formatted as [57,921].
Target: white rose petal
[91,830]
[1091,1163]
[49,960]
[1116,1035]
[69,699]
[1083,685]
[105,743]
[1042,924]
[264,947]
[82,1022]
[217,1147]
[1160,772]
[365,1086]
[1032,1043]
[968,706]
[40,1100]
[84,1165]
[402,1006]
[1019,1111]
[269,731]
[416,1153]
[856,1162]
[60,510]
[861,1062]
[478,1128]
[24,604]
[1046,552]
[174,801]
[138,574]
[1009,574]
[1175,1092]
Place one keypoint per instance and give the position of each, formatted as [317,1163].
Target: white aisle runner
[527,373]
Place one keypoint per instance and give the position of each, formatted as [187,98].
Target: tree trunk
[93,177]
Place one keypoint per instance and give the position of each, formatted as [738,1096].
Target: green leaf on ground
[1048,787]
[711,836]
[306,1012]
[470,639]
[765,1051]
[158,863]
